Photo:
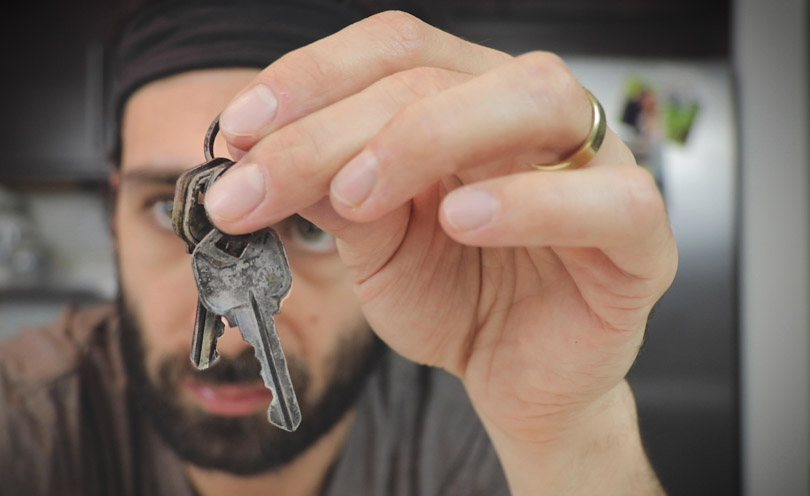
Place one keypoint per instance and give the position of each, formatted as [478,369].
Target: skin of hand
[412,146]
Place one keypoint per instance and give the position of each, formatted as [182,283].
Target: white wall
[73,225]
[771,57]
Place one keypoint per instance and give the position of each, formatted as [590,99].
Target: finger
[292,168]
[530,109]
[618,210]
[340,65]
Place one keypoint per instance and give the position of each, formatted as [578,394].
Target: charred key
[189,219]
[191,223]
[244,278]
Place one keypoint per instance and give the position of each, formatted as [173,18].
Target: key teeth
[275,412]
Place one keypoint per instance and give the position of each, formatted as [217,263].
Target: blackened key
[191,223]
[208,327]
[189,219]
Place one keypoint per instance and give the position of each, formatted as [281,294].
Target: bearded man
[460,322]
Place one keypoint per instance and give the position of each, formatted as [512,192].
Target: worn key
[208,327]
[244,279]
[189,219]
[191,223]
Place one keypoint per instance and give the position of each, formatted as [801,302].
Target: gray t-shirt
[66,425]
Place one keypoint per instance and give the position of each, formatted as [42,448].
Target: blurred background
[712,96]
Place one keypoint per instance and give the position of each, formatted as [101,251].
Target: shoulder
[46,422]
[38,356]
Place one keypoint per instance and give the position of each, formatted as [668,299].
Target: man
[522,293]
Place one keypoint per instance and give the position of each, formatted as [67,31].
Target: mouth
[229,399]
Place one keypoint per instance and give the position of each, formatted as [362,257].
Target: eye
[161,211]
[308,237]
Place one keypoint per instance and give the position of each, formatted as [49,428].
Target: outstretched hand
[412,147]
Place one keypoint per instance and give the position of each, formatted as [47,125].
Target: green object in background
[634,86]
[678,119]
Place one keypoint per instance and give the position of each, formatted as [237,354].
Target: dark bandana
[177,36]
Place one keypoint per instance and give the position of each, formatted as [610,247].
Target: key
[208,327]
[191,224]
[244,279]
[189,219]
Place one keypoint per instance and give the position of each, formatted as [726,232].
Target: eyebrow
[150,177]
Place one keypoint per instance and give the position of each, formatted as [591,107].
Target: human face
[320,323]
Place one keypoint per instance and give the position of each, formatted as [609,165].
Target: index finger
[342,64]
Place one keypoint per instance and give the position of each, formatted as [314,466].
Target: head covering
[181,35]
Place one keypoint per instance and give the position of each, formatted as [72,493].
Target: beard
[244,445]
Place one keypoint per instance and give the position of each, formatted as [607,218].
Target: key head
[189,219]
[231,269]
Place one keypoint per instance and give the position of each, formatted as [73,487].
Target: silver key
[244,279]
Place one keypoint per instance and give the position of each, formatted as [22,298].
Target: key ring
[210,136]
[208,151]
[189,219]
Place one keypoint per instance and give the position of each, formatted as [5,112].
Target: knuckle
[558,99]
[543,61]
[424,126]
[403,32]
[545,67]
[304,67]
[550,81]
[643,204]
[416,83]
[295,153]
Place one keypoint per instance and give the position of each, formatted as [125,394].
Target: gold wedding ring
[588,149]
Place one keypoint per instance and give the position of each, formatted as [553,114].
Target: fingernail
[236,193]
[467,209]
[353,184]
[250,112]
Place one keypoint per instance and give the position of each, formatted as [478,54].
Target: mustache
[243,368]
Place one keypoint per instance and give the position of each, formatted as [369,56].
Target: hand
[412,147]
